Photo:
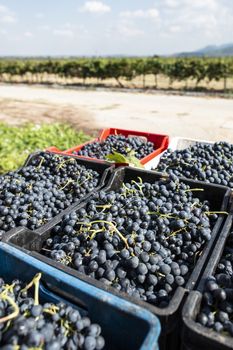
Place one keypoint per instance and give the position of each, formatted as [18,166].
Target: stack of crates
[127,323]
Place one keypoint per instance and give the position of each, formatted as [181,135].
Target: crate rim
[190,324]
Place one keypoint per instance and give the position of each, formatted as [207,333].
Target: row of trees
[176,69]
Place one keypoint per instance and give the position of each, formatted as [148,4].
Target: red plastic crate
[79,147]
[54,149]
[70,151]
[160,143]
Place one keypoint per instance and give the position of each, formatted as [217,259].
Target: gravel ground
[197,117]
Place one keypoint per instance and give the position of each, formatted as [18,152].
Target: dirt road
[197,117]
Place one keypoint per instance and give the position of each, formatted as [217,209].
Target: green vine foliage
[176,69]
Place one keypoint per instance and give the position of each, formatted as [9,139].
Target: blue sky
[93,27]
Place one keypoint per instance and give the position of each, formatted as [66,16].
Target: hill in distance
[210,51]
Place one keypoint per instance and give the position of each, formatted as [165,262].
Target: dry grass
[163,82]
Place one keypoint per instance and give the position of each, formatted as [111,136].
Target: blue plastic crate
[124,325]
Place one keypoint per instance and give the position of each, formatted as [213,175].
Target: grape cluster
[26,324]
[217,305]
[118,143]
[34,194]
[204,162]
[142,239]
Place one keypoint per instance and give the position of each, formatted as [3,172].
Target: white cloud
[64,33]
[150,13]
[3,9]
[210,4]
[126,28]
[6,15]
[203,18]
[8,19]
[172,3]
[95,7]
[204,21]
[28,34]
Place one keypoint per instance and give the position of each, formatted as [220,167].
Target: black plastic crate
[169,317]
[104,169]
[194,335]
[118,318]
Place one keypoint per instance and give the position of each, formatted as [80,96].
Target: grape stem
[41,162]
[114,228]
[36,282]
[15,313]
[194,190]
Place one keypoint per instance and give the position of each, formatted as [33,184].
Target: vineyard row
[176,69]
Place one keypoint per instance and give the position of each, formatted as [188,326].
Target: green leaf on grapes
[120,158]
[116,157]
